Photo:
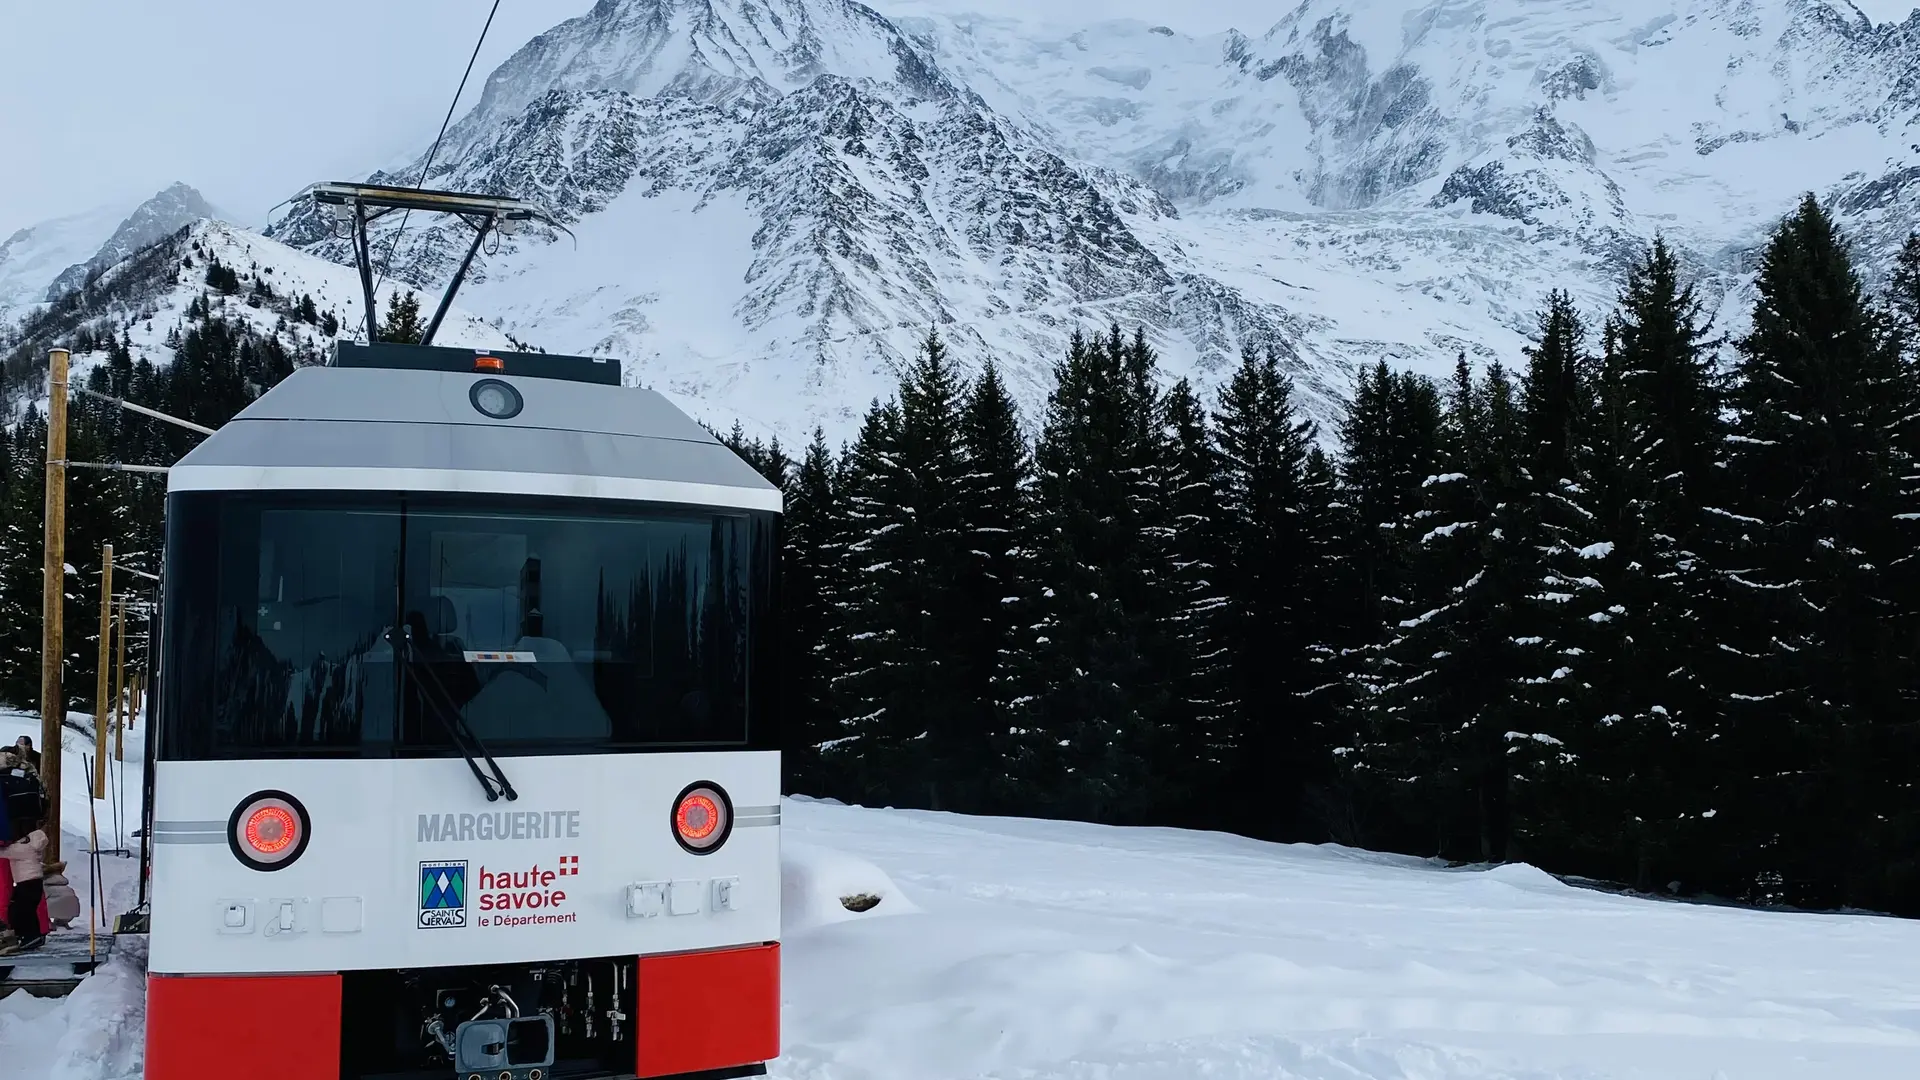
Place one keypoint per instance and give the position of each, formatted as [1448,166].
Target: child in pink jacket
[26,855]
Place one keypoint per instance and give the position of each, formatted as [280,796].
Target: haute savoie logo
[506,894]
[443,894]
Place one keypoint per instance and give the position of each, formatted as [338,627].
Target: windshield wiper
[461,734]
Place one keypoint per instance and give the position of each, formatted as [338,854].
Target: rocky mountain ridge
[774,200]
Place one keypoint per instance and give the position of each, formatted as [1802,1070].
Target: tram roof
[394,429]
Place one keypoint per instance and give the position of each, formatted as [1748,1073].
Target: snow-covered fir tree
[1199,728]
[1821,400]
[1440,692]
[995,597]
[808,581]
[1097,692]
[1268,621]
[923,733]
[1556,523]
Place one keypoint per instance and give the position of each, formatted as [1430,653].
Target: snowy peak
[209,269]
[775,199]
[715,51]
[41,263]
[813,237]
[163,214]
[32,257]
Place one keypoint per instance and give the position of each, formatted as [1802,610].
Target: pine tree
[865,469]
[765,458]
[1096,689]
[953,720]
[1198,748]
[1390,439]
[1264,523]
[307,312]
[1646,772]
[1820,402]
[810,523]
[1904,295]
[922,729]
[995,592]
[1559,527]
[1900,803]
[222,277]
[1325,602]
[21,552]
[1440,693]
[402,323]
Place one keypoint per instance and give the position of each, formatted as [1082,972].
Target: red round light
[268,830]
[271,830]
[697,817]
[702,818]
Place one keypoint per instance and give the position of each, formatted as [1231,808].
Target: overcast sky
[107,100]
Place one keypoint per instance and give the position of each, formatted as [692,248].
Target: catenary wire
[387,263]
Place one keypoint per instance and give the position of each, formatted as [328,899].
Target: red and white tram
[465,762]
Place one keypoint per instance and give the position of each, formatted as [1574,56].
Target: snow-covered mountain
[32,257]
[148,298]
[43,262]
[774,200]
[158,217]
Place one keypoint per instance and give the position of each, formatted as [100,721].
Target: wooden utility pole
[53,706]
[120,686]
[103,673]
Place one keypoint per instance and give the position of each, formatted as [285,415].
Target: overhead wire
[387,263]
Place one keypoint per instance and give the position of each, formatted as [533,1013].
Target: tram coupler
[516,1049]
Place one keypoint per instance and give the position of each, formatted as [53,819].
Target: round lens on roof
[496,399]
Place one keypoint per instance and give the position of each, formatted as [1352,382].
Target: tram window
[548,630]
[297,600]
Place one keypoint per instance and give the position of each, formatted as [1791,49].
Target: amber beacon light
[702,817]
[268,830]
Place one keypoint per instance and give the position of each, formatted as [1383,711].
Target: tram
[464,763]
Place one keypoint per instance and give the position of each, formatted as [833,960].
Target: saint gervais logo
[443,894]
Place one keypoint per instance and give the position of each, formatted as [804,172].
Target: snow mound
[820,886]
[96,1033]
[1522,876]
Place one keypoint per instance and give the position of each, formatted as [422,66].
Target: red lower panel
[203,1027]
[710,1010]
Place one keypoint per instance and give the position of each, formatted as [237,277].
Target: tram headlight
[496,399]
[702,817]
[268,830]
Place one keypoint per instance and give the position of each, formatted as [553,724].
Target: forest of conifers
[1637,605]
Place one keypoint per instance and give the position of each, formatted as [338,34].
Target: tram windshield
[303,625]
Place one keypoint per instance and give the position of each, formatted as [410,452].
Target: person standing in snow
[23,746]
[26,856]
[7,936]
[21,790]
[25,802]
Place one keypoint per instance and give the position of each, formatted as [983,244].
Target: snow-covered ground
[1075,952]
[1024,950]
[97,1033]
